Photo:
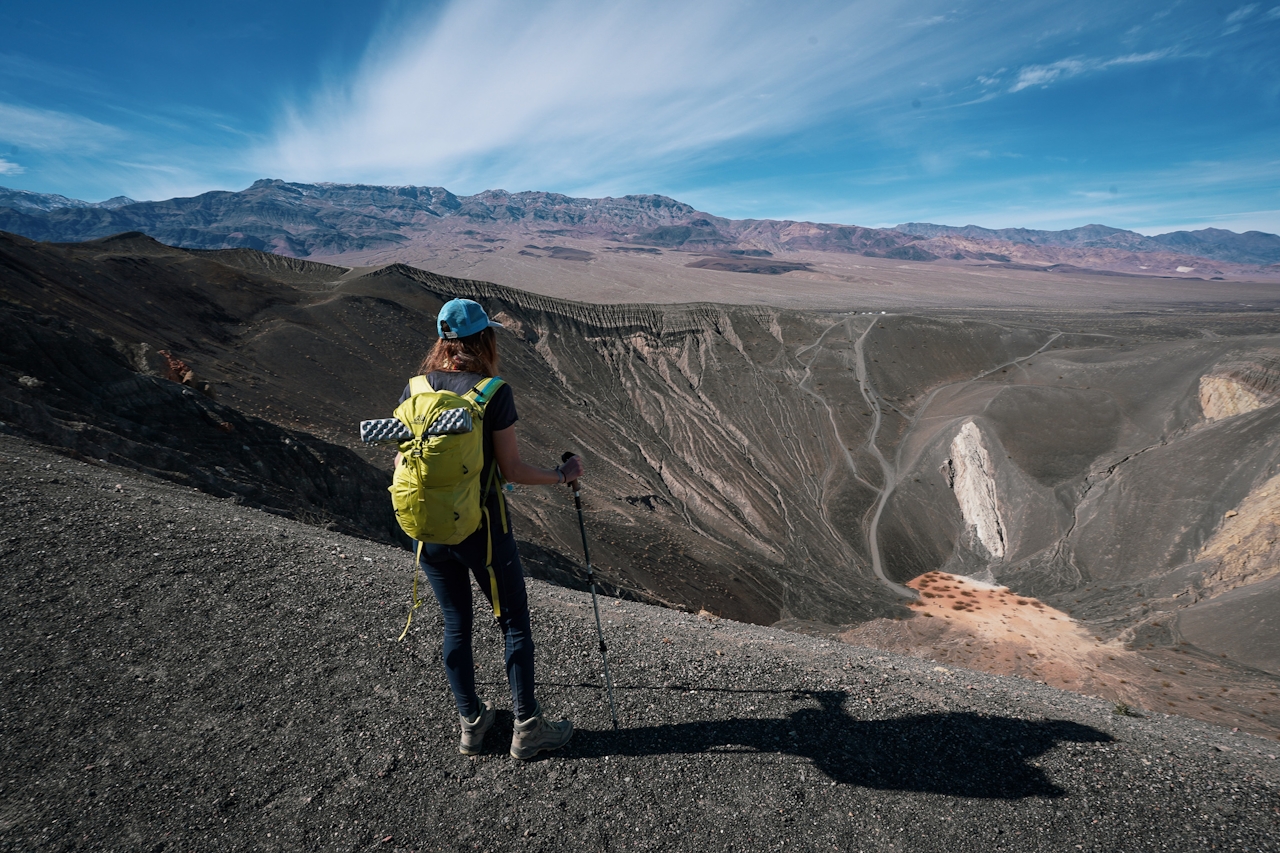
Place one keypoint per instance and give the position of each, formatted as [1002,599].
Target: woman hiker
[463,357]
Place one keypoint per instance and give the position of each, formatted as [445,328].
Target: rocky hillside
[101,399]
[186,673]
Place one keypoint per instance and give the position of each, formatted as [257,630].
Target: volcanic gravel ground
[182,673]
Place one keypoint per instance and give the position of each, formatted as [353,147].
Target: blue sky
[1145,115]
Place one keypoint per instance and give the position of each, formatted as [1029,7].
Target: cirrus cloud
[1043,75]
[50,130]
[580,94]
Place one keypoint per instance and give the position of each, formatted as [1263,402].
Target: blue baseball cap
[462,318]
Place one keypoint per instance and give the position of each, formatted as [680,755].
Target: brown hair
[476,353]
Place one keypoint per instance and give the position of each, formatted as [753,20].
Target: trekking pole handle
[582,526]
[565,457]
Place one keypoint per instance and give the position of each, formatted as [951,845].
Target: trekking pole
[595,605]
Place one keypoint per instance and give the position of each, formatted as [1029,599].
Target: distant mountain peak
[1251,247]
[26,201]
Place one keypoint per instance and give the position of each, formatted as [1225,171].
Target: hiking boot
[473,730]
[536,735]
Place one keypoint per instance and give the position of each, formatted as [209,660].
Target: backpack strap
[415,602]
[495,484]
[488,565]
[483,391]
[481,394]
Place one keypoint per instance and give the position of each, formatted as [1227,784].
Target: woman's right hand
[571,468]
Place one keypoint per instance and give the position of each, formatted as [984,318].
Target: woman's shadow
[961,754]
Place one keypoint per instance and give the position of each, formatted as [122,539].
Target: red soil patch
[978,626]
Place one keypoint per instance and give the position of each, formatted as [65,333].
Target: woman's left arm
[515,470]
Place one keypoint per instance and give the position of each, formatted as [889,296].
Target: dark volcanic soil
[183,673]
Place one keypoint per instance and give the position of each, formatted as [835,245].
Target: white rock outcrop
[1224,396]
[1241,385]
[973,478]
[1246,548]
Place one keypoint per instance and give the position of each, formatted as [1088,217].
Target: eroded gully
[888,470]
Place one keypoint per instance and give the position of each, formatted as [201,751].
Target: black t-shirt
[499,413]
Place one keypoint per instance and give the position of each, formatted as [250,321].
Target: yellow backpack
[436,490]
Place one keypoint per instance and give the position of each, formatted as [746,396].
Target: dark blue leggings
[449,570]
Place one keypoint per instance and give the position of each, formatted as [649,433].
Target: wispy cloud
[1043,75]
[1247,220]
[8,168]
[1240,14]
[48,130]
[1235,21]
[490,92]
[26,68]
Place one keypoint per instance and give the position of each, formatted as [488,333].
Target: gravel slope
[183,673]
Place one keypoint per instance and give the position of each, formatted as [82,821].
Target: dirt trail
[887,471]
[804,386]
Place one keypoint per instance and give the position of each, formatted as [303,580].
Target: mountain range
[302,220]
[1251,247]
[335,220]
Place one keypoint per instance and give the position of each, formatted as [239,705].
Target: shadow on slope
[956,754]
